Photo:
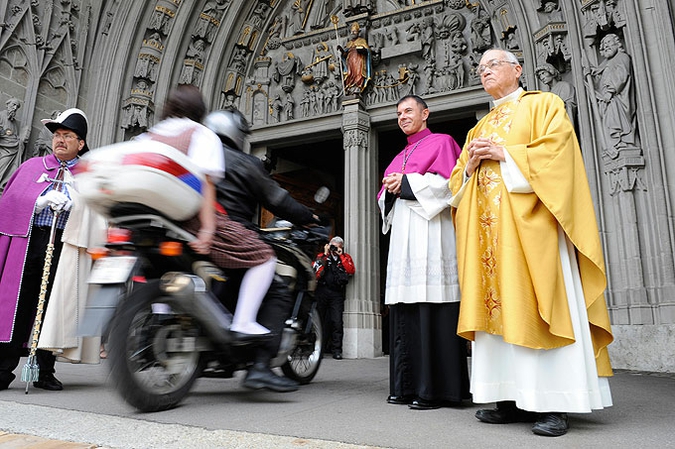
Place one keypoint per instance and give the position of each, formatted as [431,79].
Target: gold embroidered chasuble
[509,264]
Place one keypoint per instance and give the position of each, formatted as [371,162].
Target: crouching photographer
[333,269]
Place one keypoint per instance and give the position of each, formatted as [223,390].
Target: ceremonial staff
[335,20]
[31,370]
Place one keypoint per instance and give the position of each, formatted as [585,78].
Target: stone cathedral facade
[278,62]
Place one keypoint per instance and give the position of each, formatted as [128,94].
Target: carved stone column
[362,320]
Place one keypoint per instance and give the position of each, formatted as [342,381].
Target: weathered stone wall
[278,62]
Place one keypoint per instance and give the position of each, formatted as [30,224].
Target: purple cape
[17,205]
[437,153]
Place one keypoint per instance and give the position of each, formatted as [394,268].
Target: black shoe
[239,338]
[260,377]
[551,425]
[337,355]
[421,404]
[399,400]
[506,413]
[48,382]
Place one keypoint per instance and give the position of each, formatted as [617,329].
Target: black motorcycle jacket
[247,184]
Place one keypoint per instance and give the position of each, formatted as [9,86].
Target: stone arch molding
[277,60]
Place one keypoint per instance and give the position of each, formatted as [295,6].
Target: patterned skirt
[234,245]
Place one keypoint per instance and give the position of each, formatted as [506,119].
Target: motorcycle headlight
[173,283]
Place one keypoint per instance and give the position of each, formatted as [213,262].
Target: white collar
[510,97]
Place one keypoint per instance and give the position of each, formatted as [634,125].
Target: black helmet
[230,125]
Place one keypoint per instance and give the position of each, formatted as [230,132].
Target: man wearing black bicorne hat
[38,193]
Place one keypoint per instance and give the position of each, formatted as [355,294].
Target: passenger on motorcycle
[228,243]
[246,187]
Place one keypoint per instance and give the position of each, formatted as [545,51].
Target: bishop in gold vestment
[531,269]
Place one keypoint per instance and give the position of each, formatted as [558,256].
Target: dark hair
[417,99]
[185,101]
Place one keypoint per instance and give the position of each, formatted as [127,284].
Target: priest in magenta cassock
[428,367]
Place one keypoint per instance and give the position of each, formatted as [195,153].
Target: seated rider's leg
[254,286]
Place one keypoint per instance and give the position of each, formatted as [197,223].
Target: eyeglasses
[66,137]
[493,64]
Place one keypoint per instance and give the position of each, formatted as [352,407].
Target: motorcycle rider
[246,186]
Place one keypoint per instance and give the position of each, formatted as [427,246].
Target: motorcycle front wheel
[304,359]
[153,360]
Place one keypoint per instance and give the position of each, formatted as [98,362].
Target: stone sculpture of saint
[615,95]
[550,76]
[11,143]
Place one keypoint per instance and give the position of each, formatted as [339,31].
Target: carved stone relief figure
[296,18]
[322,63]
[149,57]
[320,13]
[429,73]
[412,77]
[43,143]
[601,16]
[355,7]
[547,6]
[209,19]
[616,97]
[304,103]
[239,59]
[258,15]
[428,39]
[481,32]
[193,64]
[332,96]
[319,104]
[138,109]
[227,100]
[286,70]
[552,78]
[413,32]
[276,107]
[12,141]
[274,33]
[289,107]
[161,19]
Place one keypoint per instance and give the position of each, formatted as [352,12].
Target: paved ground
[344,407]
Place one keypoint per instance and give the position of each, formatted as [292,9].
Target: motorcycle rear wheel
[152,364]
[304,359]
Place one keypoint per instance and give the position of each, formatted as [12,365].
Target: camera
[333,249]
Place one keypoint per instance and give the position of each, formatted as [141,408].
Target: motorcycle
[163,306]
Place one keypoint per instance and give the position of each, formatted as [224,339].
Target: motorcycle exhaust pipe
[189,293]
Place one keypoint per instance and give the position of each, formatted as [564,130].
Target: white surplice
[422,264]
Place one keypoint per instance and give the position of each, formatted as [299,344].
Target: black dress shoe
[506,413]
[551,425]
[48,382]
[399,400]
[421,404]
[239,338]
[260,376]
[337,356]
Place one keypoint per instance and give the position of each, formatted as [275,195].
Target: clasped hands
[58,201]
[482,149]
[392,182]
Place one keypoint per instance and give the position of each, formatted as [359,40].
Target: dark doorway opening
[303,168]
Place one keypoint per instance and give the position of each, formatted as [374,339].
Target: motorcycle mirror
[322,194]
